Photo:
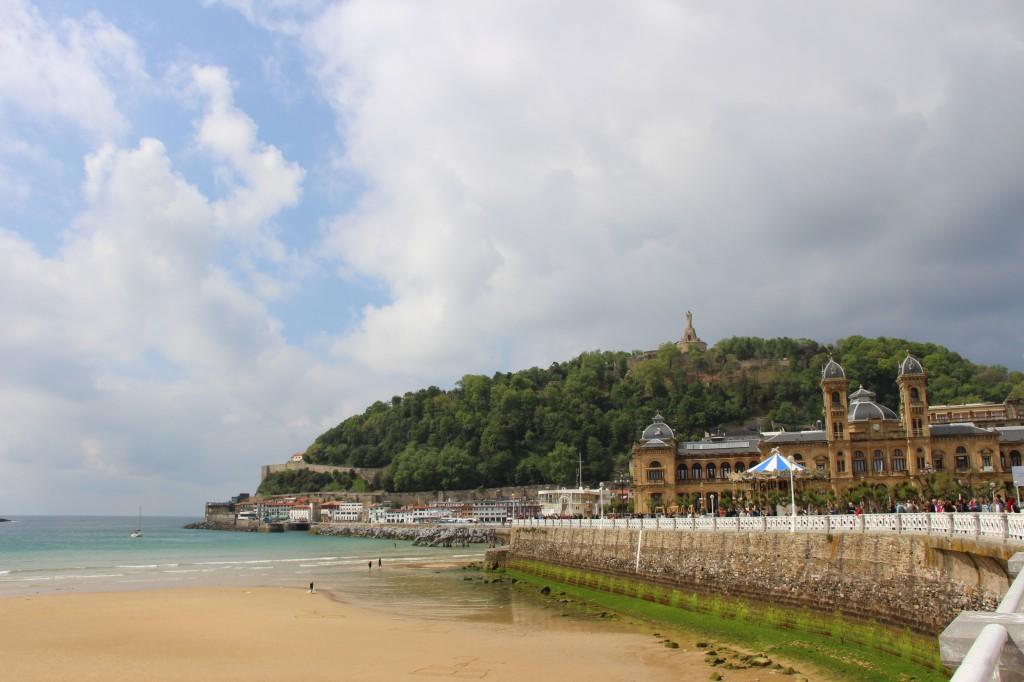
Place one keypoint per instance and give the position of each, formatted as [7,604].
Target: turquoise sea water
[46,554]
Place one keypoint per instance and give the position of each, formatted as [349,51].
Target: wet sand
[288,634]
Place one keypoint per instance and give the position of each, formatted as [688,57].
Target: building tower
[912,381]
[834,386]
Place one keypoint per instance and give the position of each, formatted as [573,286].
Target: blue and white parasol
[776,465]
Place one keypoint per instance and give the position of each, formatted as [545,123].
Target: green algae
[847,649]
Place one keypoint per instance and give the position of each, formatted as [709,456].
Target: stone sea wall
[432,536]
[897,580]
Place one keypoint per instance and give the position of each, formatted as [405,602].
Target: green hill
[527,427]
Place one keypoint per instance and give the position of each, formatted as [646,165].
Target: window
[739,467]
[859,464]
[914,395]
[752,465]
[1015,458]
[798,457]
[681,473]
[711,472]
[920,462]
[962,461]
[879,462]
[655,472]
[916,425]
[726,470]
[837,430]
[898,462]
[695,470]
[938,463]
[840,462]
[819,465]
[986,462]
[835,399]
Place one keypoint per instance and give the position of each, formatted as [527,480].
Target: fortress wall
[907,581]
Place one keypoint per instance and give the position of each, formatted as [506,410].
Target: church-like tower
[690,339]
[834,387]
[913,384]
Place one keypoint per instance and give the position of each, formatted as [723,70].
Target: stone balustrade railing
[997,527]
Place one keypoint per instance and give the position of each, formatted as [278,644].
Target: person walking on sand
[311,587]
[369,565]
[378,562]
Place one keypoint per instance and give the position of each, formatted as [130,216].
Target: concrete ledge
[1015,564]
[957,639]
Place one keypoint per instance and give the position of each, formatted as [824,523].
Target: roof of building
[654,443]
[910,365]
[863,407]
[797,437]
[959,429]
[833,370]
[1010,434]
[708,446]
[657,429]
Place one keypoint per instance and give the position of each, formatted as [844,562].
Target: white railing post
[928,525]
[952,522]
[899,524]
[828,524]
[1004,527]
[764,524]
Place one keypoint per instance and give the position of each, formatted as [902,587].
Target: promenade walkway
[994,526]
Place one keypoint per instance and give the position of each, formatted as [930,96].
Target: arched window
[655,472]
[798,457]
[915,396]
[739,467]
[835,399]
[726,470]
[681,472]
[752,465]
[711,471]
[1015,458]
[696,471]
[879,462]
[820,464]
[899,463]
[963,462]
[859,463]
[840,462]
[939,461]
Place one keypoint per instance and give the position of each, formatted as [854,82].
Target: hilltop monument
[690,339]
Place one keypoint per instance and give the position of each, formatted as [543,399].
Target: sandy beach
[289,634]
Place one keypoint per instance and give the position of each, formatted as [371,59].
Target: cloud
[543,179]
[144,364]
[66,71]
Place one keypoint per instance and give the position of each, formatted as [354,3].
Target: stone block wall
[897,580]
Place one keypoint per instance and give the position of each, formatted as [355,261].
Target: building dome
[863,407]
[658,429]
[911,365]
[832,370]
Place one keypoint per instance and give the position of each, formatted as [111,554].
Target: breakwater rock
[214,525]
[5,520]
[430,536]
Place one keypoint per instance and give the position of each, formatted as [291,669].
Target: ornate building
[690,339]
[861,442]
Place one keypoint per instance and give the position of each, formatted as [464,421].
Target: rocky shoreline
[428,536]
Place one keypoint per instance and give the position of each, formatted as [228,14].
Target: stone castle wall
[897,580]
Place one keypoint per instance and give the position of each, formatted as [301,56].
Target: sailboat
[137,533]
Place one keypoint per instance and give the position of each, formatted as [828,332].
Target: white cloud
[66,71]
[142,364]
[546,178]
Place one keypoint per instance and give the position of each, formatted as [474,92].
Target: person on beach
[311,587]
[369,565]
[378,562]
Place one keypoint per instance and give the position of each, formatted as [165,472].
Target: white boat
[137,533]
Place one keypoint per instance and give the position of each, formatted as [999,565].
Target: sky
[226,225]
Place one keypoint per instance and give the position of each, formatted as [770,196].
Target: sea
[57,554]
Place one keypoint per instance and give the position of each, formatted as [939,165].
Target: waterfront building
[571,502]
[338,512]
[859,442]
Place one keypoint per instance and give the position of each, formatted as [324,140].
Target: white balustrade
[999,527]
